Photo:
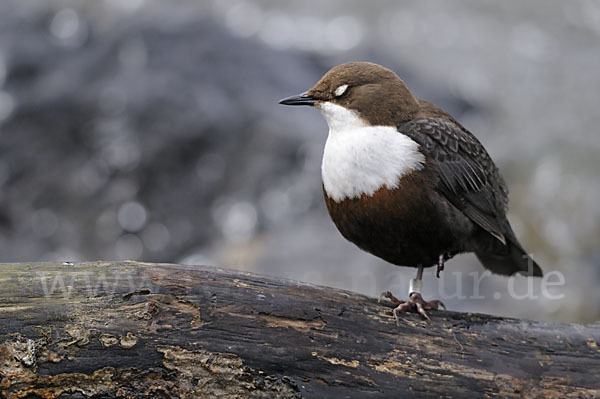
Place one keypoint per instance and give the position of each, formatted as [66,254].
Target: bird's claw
[440,265]
[391,297]
[416,302]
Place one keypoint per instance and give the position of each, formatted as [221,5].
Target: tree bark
[138,330]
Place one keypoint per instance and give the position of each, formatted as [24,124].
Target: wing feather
[469,178]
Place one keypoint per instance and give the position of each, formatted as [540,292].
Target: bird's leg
[415,301]
[440,265]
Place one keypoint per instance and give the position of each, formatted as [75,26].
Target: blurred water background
[150,130]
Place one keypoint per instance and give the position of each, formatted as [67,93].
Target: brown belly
[407,226]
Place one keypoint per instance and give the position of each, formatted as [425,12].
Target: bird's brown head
[374,92]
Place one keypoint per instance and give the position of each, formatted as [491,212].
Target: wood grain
[136,330]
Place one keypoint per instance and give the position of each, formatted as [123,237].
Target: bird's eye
[340,90]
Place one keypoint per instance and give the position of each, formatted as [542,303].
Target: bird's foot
[415,303]
[440,265]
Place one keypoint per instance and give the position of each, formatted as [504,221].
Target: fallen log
[138,330]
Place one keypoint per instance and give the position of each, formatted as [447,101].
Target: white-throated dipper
[406,182]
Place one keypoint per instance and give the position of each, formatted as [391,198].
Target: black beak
[300,99]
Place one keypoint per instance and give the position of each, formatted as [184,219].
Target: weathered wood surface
[135,330]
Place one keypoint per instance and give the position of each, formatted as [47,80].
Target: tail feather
[509,259]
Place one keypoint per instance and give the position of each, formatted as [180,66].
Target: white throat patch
[360,159]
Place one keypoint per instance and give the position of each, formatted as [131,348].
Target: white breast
[360,159]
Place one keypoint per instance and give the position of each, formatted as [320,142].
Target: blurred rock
[113,131]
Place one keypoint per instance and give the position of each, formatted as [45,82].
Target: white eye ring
[340,90]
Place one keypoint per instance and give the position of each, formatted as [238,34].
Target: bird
[406,182]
